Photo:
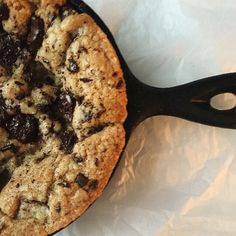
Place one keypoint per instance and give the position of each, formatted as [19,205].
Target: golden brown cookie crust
[56,177]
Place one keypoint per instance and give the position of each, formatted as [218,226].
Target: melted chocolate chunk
[93,184]
[10,48]
[24,128]
[119,84]
[82,180]
[21,96]
[66,105]
[3,113]
[4,12]
[96,129]
[38,75]
[72,66]
[61,109]
[36,33]
[2,102]
[3,117]
[40,159]
[86,80]
[19,83]
[5,177]
[83,50]
[9,147]
[68,140]
[78,159]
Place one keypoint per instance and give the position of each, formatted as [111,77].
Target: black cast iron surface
[190,101]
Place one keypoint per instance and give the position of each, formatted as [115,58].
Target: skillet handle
[190,101]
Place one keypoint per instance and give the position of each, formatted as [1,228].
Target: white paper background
[176,178]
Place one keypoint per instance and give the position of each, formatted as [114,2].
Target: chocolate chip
[83,50]
[24,128]
[96,129]
[85,80]
[119,84]
[40,159]
[93,184]
[9,50]
[82,180]
[30,104]
[2,102]
[3,117]
[96,162]
[72,66]
[78,159]
[3,114]
[66,105]
[21,96]
[9,147]
[68,140]
[5,177]
[115,74]
[38,75]
[19,83]
[80,99]
[36,33]
[4,12]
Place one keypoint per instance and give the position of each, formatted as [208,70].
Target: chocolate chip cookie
[62,108]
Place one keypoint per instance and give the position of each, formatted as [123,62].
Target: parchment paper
[176,177]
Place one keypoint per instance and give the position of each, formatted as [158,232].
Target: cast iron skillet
[190,101]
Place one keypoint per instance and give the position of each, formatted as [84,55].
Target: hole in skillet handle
[223,101]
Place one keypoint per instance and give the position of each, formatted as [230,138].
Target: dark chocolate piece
[5,177]
[96,129]
[78,159]
[38,75]
[119,84]
[36,33]
[93,184]
[82,180]
[4,12]
[86,80]
[66,105]
[10,48]
[9,147]
[21,96]
[3,117]
[24,128]
[72,67]
[68,140]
